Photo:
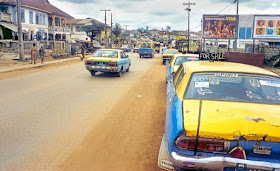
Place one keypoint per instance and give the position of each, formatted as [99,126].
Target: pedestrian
[42,54]
[83,51]
[34,53]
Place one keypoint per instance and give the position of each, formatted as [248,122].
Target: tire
[128,69]
[163,62]
[140,56]
[119,74]
[92,73]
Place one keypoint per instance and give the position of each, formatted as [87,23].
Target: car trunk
[100,61]
[244,124]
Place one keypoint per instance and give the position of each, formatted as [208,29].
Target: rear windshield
[170,51]
[234,87]
[180,60]
[145,45]
[106,53]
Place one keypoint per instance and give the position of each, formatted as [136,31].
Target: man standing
[83,51]
[34,52]
[42,54]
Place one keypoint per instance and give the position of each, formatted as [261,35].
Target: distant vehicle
[91,46]
[125,48]
[146,49]
[108,60]
[221,116]
[157,47]
[179,44]
[136,49]
[192,48]
[168,54]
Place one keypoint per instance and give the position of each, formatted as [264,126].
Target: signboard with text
[220,26]
[266,27]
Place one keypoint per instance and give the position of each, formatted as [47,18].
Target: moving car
[146,49]
[177,60]
[126,48]
[108,60]
[221,116]
[167,54]
[136,49]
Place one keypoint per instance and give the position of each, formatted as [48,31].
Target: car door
[125,61]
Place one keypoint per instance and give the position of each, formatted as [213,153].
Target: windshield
[145,45]
[234,87]
[171,51]
[106,53]
[180,60]
[124,46]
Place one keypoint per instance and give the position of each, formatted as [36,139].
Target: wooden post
[20,37]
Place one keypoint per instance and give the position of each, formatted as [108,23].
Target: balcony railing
[5,17]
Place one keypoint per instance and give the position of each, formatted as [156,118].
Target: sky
[158,14]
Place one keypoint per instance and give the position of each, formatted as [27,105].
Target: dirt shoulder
[130,135]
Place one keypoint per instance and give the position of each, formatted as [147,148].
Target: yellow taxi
[221,116]
[167,54]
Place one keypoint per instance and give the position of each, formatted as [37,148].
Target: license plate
[257,149]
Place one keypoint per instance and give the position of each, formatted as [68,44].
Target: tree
[93,29]
[141,30]
[117,30]
[147,29]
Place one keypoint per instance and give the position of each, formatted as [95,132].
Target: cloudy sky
[160,13]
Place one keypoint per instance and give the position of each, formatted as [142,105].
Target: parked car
[221,116]
[126,48]
[136,49]
[167,54]
[108,60]
[177,59]
[146,49]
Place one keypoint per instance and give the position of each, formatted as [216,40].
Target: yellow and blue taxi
[221,116]
[177,60]
[146,49]
[108,60]
[168,54]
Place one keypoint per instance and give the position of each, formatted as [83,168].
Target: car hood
[103,59]
[232,120]
[168,54]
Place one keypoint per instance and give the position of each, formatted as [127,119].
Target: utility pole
[20,37]
[105,10]
[188,9]
[111,30]
[237,4]
[125,27]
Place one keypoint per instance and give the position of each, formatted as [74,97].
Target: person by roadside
[42,54]
[83,48]
[34,53]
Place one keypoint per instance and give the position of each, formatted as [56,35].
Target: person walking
[42,54]
[34,53]
[83,48]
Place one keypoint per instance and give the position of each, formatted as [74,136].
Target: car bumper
[219,163]
[102,68]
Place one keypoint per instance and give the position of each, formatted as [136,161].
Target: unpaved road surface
[65,119]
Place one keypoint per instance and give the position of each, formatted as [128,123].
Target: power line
[225,7]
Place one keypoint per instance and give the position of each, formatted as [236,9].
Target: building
[40,19]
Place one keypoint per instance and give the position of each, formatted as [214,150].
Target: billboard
[266,26]
[220,26]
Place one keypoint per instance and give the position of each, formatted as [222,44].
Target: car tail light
[113,64]
[204,144]
[89,62]
[94,63]
[238,152]
[151,52]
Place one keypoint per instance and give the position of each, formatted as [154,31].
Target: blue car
[125,48]
[146,49]
[221,116]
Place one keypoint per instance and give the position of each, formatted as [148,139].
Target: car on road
[146,49]
[177,59]
[221,116]
[168,54]
[136,49]
[125,48]
[108,60]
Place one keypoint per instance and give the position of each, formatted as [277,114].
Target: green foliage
[117,29]
[141,30]
[93,29]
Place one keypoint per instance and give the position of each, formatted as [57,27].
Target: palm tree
[117,30]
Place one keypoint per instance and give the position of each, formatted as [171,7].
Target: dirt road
[64,119]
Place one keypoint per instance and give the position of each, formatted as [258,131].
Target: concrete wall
[268,50]
[256,59]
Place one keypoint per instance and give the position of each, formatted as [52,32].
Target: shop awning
[9,26]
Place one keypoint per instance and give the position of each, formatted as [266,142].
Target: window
[180,78]
[78,28]
[22,15]
[44,19]
[175,77]
[4,9]
[31,17]
[40,18]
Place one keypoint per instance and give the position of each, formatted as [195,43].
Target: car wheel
[128,69]
[92,73]
[140,56]
[119,74]
[163,62]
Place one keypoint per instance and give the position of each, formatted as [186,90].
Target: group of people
[215,30]
[35,53]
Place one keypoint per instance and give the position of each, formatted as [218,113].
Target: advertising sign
[267,27]
[220,26]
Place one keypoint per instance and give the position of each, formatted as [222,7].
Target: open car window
[106,53]
[234,87]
